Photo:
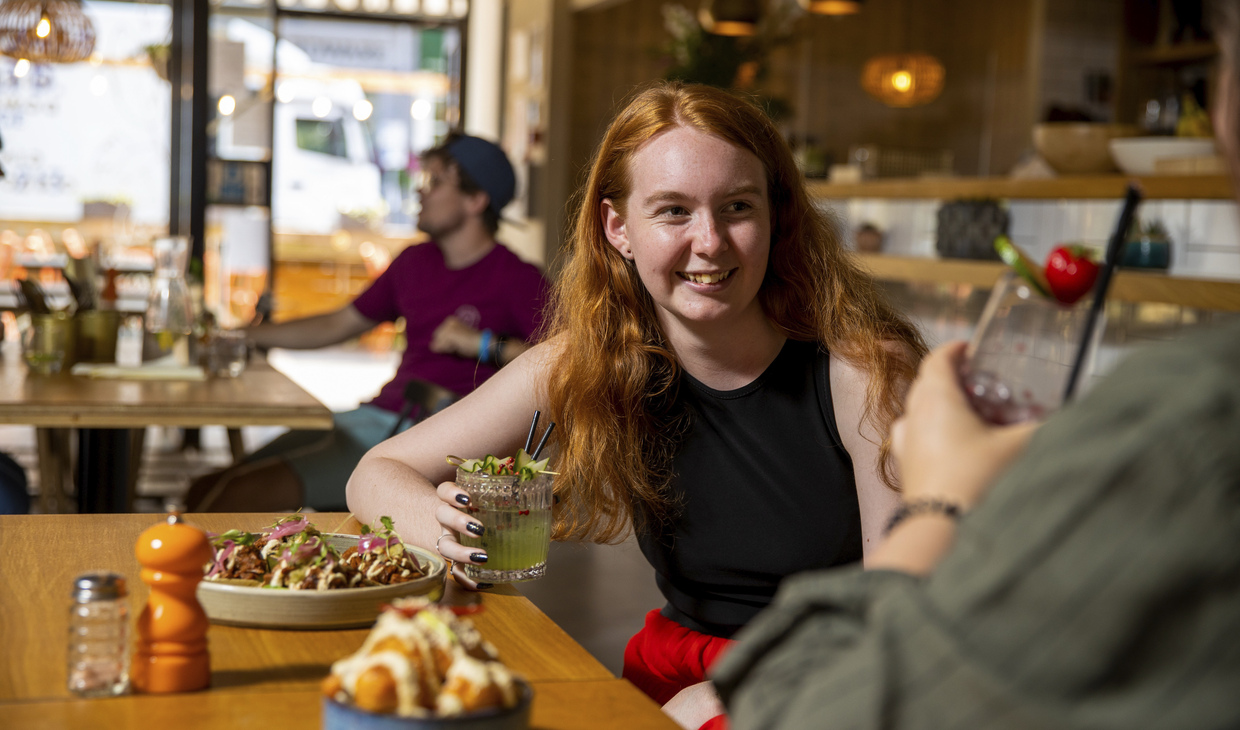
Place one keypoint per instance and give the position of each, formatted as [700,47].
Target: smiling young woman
[684,170]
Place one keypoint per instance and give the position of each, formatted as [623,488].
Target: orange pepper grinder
[171,655]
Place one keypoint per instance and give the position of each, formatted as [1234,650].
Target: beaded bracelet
[929,505]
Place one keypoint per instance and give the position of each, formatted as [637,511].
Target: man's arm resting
[311,333]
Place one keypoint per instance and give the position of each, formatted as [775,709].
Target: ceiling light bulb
[227,104]
[901,80]
[44,28]
[21,68]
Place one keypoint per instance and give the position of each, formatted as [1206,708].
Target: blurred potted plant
[729,62]
[1148,246]
[158,54]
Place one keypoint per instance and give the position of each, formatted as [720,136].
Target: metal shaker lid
[98,587]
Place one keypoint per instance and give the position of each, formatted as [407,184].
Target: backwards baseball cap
[488,166]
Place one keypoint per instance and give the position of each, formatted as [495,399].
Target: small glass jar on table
[49,344]
[226,353]
[98,651]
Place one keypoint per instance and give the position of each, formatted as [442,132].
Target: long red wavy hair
[613,384]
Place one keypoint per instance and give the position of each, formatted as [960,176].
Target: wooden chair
[426,397]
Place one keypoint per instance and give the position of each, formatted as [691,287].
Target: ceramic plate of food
[292,576]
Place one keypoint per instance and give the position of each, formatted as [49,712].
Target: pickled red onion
[284,529]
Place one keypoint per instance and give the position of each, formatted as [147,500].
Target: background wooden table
[258,676]
[105,410]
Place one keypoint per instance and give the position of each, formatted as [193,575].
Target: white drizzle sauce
[430,626]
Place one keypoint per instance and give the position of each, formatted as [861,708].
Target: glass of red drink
[1018,361]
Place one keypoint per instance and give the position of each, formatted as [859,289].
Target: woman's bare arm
[849,386]
[399,477]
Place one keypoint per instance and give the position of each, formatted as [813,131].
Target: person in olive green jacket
[1093,580]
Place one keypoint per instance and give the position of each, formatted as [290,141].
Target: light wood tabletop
[261,396]
[106,410]
[258,676]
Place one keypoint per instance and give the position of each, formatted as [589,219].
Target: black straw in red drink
[1115,249]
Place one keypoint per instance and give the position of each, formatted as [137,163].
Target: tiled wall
[1205,234]
[1080,38]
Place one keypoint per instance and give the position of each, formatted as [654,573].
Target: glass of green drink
[516,518]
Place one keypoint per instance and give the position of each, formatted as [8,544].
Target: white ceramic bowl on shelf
[1140,155]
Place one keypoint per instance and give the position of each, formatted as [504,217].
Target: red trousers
[665,657]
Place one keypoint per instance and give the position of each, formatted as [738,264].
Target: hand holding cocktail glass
[499,512]
[1028,352]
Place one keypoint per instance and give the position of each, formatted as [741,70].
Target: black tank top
[765,489]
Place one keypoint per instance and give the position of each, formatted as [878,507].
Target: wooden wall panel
[616,48]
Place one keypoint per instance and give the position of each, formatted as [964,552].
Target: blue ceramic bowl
[345,717]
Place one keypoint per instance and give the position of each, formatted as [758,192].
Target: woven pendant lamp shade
[730,17]
[45,31]
[832,7]
[903,79]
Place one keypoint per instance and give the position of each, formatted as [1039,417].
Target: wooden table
[104,410]
[260,678]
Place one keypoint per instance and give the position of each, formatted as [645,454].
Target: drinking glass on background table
[226,353]
[49,344]
[516,520]
[1022,352]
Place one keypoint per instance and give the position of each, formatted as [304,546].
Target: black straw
[1115,249]
[530,438]
[542,442]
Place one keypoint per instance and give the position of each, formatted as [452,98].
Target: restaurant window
[86,155]
[357,97]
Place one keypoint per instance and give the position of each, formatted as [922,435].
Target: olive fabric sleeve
[1097,586]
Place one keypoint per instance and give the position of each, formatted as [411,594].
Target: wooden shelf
[1128,286]
[1204,187]
[1174,55]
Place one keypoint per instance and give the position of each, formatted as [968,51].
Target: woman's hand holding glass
[453,520]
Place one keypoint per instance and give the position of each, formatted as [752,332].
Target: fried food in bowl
[424,667]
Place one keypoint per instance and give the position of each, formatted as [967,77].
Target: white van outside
[323,162]
[323,158]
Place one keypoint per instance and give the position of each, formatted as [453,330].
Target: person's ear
[476,203]
[614,228]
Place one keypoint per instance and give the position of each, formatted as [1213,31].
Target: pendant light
[730,17]
[46,31]
[903,79]
[832,7]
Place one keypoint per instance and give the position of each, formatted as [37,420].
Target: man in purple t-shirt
[469,304]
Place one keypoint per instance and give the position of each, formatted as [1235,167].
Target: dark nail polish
[478,557]
[484,586]
[463,498]
[475,528]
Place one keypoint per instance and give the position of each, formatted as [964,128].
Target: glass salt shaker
[98,656]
